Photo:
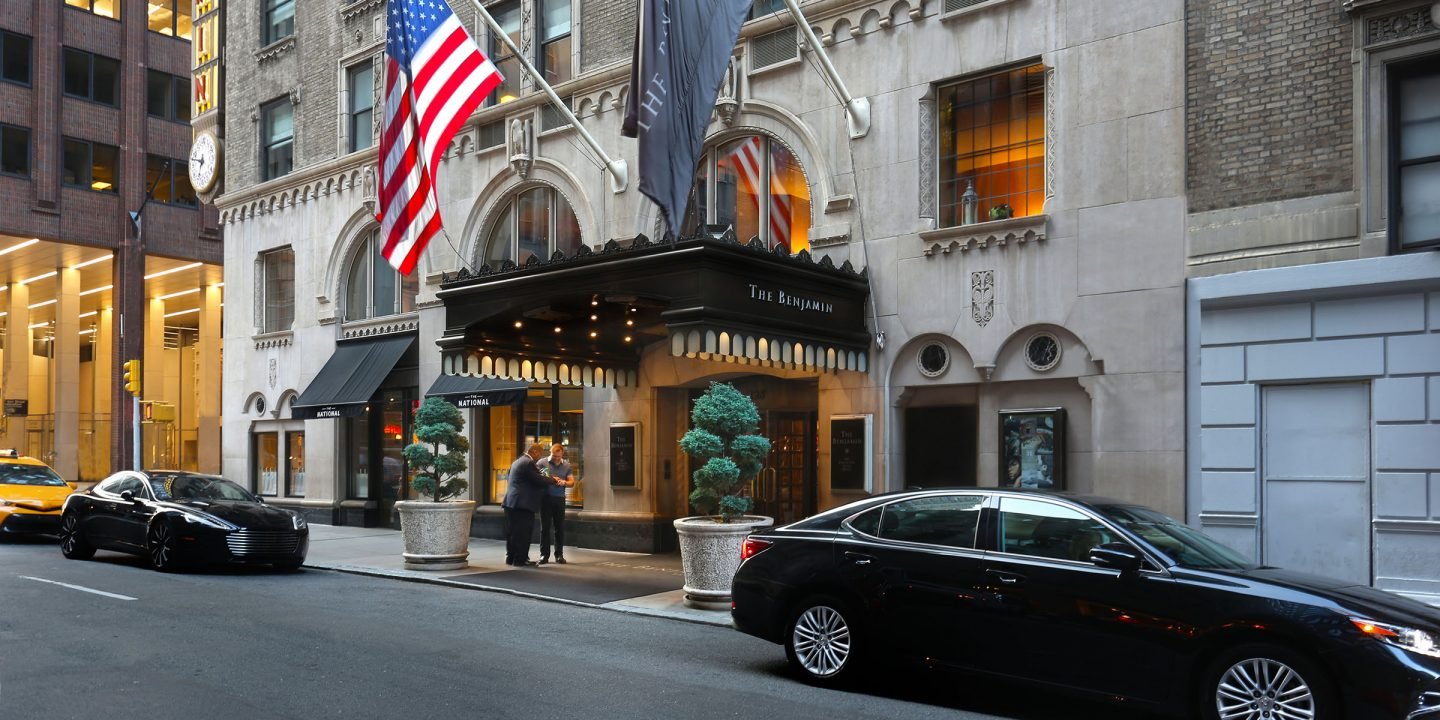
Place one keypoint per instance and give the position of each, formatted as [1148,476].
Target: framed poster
[1032,448]
[624,455]
[850,453]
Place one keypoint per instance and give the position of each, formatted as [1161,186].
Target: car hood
[1359,599]
[246,515]
[42,498]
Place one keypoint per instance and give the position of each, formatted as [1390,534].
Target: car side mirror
[1116,556]
[260,499]
[127,495]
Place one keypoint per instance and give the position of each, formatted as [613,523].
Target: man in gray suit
[522,500]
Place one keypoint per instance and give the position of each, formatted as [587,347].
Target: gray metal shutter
[774,48]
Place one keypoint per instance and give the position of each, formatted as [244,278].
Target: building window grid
[278,276]
[277,139]
[279,20]
[169,183]
[371,287]
[507,15]
[537,222]
[555,41]
[360,85]
[1415,154]
[14,150]
[170,17]
[167,96]
[731,181]
[992,134]
[15,57]
[92,77]
[103,8]
[295,463]
[91,165]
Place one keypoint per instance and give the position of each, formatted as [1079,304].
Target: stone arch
[905,369]
[351,234]
[795,134]
[1076,359]
[249,406]
[587,105]
[284,401]
[506,185]
[812,178]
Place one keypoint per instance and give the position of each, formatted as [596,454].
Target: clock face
[204,162]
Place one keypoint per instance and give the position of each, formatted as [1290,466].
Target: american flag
[435,76]
[749,161]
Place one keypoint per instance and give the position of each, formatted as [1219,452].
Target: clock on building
[204,162]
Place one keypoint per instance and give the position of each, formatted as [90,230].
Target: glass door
[390,433]
[785,489]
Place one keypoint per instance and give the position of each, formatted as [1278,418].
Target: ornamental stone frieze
[995,233]
[374,327]
[1401,26]
[275,49]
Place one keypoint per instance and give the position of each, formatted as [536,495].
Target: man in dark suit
[522,500]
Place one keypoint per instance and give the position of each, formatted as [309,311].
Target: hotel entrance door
[785,489]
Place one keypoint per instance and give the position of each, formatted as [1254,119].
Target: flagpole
[857,110]
[617,169]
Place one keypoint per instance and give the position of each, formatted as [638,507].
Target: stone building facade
[1067,303]
[1314,298]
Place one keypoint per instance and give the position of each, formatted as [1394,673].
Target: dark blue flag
[681,53]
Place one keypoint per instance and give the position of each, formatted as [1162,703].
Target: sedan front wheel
[72,539]
[820,641]
[1267,682]
[160,544]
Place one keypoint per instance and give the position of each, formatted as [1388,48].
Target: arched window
[755,184]
[537,222]
[372,287]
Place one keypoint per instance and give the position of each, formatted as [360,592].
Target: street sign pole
[135,424]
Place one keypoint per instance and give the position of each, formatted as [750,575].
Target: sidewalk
[627,582]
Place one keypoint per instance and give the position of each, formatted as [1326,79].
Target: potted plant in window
[1001,212]
[436,530]
[729,454]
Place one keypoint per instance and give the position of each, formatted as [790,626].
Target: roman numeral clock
[204,162]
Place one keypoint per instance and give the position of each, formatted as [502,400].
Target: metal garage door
[1315,466]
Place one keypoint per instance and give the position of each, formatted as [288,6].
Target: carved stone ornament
[982,296]
[522,146]
[727,103]
[369,188]
[1412,22]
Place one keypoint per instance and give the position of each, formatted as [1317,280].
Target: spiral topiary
[437,474]
[730,455]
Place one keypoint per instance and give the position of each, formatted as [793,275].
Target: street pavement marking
[77,587]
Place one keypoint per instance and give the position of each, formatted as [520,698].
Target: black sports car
[178,518]
[1086,594]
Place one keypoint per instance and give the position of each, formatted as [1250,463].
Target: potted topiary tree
[436,529]
[729,454]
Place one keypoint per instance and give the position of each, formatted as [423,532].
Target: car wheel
[72,539]
[1266,682]
[820,641]
[160,546]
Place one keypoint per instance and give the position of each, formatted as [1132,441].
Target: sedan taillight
[753,547]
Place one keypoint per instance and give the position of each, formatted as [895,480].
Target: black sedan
[1084,594]
[179,518]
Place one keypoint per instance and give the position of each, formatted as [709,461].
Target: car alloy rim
[67,534]
[160,545]
[1261,689]
[822,641]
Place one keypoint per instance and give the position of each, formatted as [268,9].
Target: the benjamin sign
[780,297]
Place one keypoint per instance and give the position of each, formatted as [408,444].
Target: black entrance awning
[468,392]
[350,377]
[584,319]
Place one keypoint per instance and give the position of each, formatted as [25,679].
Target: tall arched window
[372,287]
[537,222]
[755,184]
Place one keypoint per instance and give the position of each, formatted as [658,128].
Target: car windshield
[197,487]
[1184,545]
[29,475]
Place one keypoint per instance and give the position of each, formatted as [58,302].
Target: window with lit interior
[372,287]
[536,223]
[992,137]
[756,185]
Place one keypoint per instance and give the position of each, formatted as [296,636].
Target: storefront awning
[468,392]
[350,377]
[583,320]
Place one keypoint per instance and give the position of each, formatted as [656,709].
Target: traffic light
[132,377]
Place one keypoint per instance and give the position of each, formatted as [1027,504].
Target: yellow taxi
[31,495]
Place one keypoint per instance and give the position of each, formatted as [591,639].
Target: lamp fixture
[50,274]
[92,313]
[627,338]
[93,261]
[594,334]
[191,291]
[182,312]
[39,325]
[92,291]
[629,323]
[594,302]
[181,268]
[18,246]
[43,303]
[557,328]
[593,318]
[519,324]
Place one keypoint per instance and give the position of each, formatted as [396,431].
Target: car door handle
[859,558]
[1006,578]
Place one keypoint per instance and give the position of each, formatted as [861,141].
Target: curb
[616,606]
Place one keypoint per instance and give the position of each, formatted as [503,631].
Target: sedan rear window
[29,475]
[949,520]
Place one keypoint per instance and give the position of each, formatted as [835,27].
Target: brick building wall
[607,32]
[1268,101]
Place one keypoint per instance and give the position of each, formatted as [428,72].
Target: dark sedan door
[1070,622]
[102,517]
[915,561]
[133,518]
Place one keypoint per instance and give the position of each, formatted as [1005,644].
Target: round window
[934,359]
[260,405]
[1042,352]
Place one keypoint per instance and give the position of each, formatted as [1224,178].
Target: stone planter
[437,535]
[710,554]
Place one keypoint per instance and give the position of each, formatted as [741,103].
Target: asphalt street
[110,638]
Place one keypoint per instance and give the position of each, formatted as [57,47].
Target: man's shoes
[545,559]
[560,559]
[524,563]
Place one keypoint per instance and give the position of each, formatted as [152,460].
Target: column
[17,362]
[154,363]
[66,382]
[104,365]
[207,379]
